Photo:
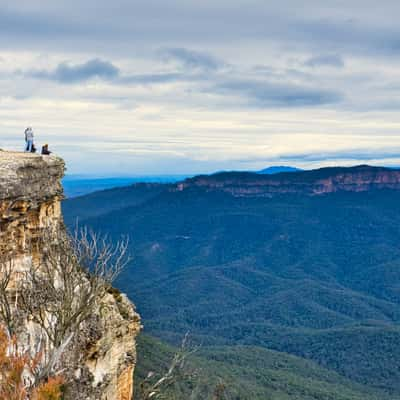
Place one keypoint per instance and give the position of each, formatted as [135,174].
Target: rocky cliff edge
[30,194]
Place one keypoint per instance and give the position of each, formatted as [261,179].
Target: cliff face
[30,193]
[315,182]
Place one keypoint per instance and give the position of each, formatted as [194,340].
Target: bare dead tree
[61,291]
[155,387]
[7,317]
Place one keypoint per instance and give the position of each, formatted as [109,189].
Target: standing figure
[28,139]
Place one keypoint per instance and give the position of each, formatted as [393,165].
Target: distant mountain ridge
[242,183]
[313,182]
[278,169]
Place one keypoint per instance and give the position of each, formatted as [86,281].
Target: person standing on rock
[28,139]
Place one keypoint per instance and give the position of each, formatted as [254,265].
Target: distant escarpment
[315,182]
[30,194]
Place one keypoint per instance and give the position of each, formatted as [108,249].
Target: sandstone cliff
[30,194]
[315,182]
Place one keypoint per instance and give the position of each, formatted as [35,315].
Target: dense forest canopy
[313,276]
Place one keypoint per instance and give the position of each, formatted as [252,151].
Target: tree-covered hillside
[313,276]
[247,373]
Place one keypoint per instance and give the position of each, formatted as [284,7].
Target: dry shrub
[14,366]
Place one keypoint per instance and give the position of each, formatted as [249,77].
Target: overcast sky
[129,87]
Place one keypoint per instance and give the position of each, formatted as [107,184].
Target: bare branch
[62,291]
[156,389]
[8,316]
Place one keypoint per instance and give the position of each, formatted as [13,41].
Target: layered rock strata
[30,194]
[315,182]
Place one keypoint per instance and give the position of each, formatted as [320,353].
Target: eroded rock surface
[315,182]
[30,194]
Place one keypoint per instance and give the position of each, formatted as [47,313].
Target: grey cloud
[151,78]
[356,155]
[122,26]
[96,68]
[252,92]
[330,60]
[30,25]
[281,73]
[350,36]
[192,59]
[66,73]
[268,94]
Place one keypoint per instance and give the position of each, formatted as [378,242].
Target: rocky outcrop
[315,182]
[30,194]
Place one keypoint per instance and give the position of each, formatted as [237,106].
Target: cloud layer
[67,73]
[187,86]
[329,60]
